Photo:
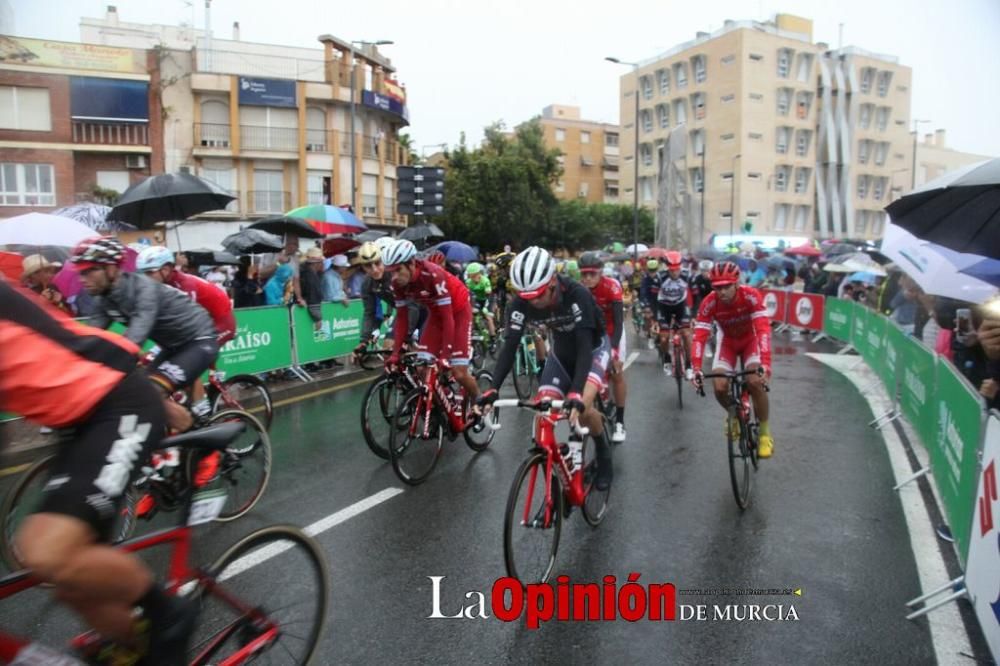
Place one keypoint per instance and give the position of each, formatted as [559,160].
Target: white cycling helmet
[531,271]
[153,258]
[705,265]
[400,252]
[383,242]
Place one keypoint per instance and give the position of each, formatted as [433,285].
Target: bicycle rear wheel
[739,464]
[241,603]
[378,409]
[22,500]
[416,438]
[679,374]
[531,528]
[522,373]
[595,502]
[479,435]
[248,393]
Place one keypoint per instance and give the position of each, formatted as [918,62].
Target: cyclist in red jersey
[607,292]
[744,333]
[60,373]
[447,333]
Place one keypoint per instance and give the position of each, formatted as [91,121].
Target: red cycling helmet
[674,260]
[724,273]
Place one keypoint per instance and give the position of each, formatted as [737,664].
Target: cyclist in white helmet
[578,360]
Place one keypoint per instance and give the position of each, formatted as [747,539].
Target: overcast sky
[467,63]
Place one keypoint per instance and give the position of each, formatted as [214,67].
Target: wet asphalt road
[824,519]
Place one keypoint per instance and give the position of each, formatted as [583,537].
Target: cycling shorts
[665,313]
[97,459]
[729,351]
[461,337]
[175,369]
[484,306]
[556,379]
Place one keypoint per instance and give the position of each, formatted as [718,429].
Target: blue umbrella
[456,251]
[987,270]
[862,276]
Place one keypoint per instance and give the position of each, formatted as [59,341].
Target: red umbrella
[807,250]
[332,246]
[10,265]
[655,253]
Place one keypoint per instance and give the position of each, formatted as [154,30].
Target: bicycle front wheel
[378,410]
[533,522]
[22,500]
[522,373]
[248,597]
[679,375]
[739,463]
[248,393]
[416,438]
[478,436]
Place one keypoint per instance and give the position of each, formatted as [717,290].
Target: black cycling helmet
[590,261]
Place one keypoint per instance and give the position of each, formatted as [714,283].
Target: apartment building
[273,124]
[78,122]
[934,159]
[589,154]
[772,132]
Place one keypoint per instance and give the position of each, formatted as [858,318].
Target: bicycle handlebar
[543,406]
[732,375]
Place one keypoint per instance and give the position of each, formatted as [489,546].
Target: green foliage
[501,192]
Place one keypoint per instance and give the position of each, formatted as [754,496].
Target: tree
[406,142]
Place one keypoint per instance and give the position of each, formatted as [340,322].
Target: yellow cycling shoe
[765,447]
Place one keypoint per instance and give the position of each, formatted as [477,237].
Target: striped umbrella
[94,216]
[329,219]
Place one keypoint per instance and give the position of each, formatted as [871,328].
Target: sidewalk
[22,442]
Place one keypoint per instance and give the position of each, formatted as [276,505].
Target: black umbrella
[169,196]
[252,241]
[960,210]
[283,225]
[205,257]
[370,235]
[421,232]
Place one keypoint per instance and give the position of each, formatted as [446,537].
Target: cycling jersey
[448,329]
[577,329]
[701,287]
[649,288]
[480,291]
[608,296]
[211,297]
[744,329]
[673,290]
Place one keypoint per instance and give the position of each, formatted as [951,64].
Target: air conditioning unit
[135,162]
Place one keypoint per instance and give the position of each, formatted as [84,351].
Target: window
[268,196]
[878,221]
[680,74]
[113,180]
[867,77]
[863,148]
[801,217]
[884,80]
[680,111]
[698,141]
[317,187]
[646,154]
[584,136]
[803,101]
[879,188]
[560,134]
[783,138]
[584,190]
[802,139]
[860,221]
[756,57]
[215,123]
[862,187]
[805,67]
[784,62]
[698,65]
[698,104]
[27,185]
[756,136]
[882,117]
[726,99]
[801,180]
[881,152]
[784,100]
[663,76]
[663,116]
[865,117]
[561,159]
[728,60]
[25,109]
[610,139]
[697,181]
[223,175]
[610,188]
[781,216]
[647,87]
[646,189]
[647,120]
[756,97]
[316,130]
[269,128]
[781,178]
[726,216]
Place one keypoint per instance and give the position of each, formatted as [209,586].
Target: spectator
[37,275]
[218,277]
[355,281]
[333,280]
[833,284]
[247,291]
[290,255]
[281,277]
[312,287]
[988,335]
[903,307]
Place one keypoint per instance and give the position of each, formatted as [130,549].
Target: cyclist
[447,332]
[572,268]
[149,310]
[744,333]
[158,263]
[578,360]
[673,303]
[649,289]
[701,286]
[481,291]
[376,292]
[607,293]
[64,374]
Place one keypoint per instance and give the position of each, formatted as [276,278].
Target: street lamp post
[354,113]
[732,199]
[916,132]
[635,160]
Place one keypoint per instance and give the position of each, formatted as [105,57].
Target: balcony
[260,137]
[212,135]
[268,202]
[110,133]
[286,140]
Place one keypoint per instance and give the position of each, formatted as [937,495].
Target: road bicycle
[243,615]
[243,469]
[381,402]
[678,358]
[743,460]
[484,345]
[545,488]
[526,366]
[435,408]
[246,392]
[371,354]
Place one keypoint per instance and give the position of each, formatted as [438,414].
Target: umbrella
[94,216]
[862,276]
[422,231]
[329,219]
[339,245]
[370,235]
[206,257]
[980,267]
[633,248]
[169,196]
[931,269]
[709,253]
[806,250]
[837,249]
[35,230]
[776,261]
[283,225]
[655,253]
[10,265]
[615,248]
[960,210]
[252,241]
[457,251]
[838,268]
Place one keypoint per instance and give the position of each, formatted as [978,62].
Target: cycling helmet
[532,271]
[705,265]
[153,258]
[724,274]
[384,242]
[474,268]
[400,252]
[369,253]
[653,265]
[608,271]
[591,261]
[98,251]
[674,259]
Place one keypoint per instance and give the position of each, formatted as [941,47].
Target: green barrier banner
[953,452]
[263,342]
[338,334]
[837,318]
[892,343]
[859,330]
[875,338]
[917,388]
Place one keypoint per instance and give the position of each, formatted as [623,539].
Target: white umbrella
[636,247]
[38,229]
[934,273]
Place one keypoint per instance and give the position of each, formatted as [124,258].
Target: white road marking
[631,357]
[261,555]
[947,629]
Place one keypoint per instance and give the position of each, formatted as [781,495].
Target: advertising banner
[982,571]
[918,373]
[68,55]
[776,303]
[385,103]
[338,334]
[889,368]
[875,347]
[267,92]
[263,342]
[859,328]
[837,318]
[805,311]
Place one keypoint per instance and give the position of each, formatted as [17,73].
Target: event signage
[982,571]
[838,318]
[267,92]
[68,55]
[338,333]
[385,103]
[263,342]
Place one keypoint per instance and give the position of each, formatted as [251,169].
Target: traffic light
[419,190]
